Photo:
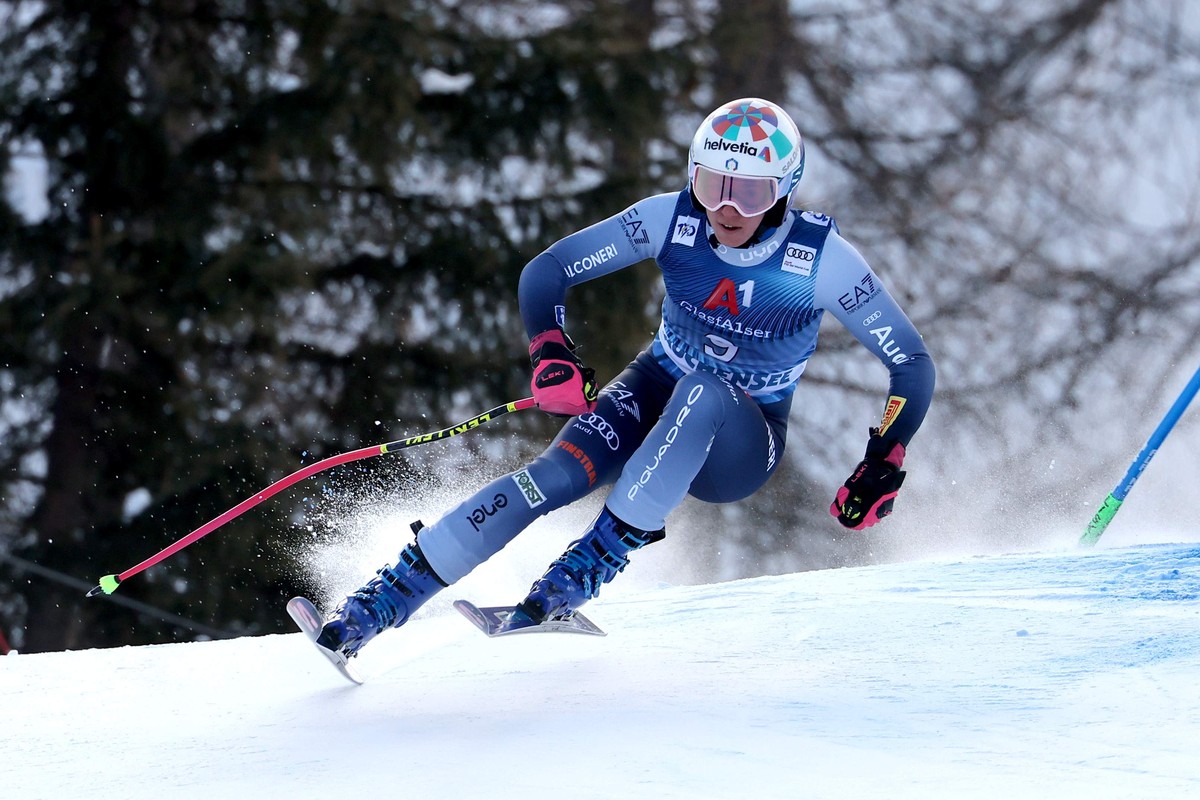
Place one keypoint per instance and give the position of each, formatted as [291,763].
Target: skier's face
[730,227]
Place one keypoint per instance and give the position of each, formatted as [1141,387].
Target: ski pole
[1112,503]
[109,583]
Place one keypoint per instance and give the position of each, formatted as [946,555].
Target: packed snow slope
[1072,674]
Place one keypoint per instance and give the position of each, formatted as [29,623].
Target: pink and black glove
[867,495]
[561,383]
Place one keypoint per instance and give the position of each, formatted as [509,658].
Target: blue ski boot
[576,576]
[387,601]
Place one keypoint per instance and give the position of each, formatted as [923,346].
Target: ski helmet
[748,154]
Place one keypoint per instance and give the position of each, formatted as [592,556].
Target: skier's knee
[704,394]
[556,477]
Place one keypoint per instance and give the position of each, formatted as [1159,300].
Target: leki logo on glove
[554,375]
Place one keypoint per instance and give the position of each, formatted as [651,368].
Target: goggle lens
[751,196]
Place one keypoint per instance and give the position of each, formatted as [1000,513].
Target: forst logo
[532,493]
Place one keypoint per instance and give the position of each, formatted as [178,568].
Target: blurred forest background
[237,236]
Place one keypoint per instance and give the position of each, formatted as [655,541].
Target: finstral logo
[726,146]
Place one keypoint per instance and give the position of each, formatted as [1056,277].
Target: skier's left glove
[561,383]
[867,495]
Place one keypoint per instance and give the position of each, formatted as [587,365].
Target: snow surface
[1068,674]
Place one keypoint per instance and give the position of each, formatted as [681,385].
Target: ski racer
[703,409]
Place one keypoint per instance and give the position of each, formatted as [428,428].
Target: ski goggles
[749,195]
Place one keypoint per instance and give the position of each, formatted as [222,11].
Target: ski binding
[506,620]
[310,621]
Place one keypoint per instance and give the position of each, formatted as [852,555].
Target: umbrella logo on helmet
[746,123]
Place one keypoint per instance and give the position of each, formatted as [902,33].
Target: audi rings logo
[600,425]
[799,259]
[801,253]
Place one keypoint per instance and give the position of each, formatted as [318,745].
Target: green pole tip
[108,585]
[1099,523]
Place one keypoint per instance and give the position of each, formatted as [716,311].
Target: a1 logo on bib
[799,259]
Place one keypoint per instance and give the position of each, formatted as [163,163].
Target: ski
[310,621]
[506,620]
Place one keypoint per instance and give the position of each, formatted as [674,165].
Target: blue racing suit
[703,410]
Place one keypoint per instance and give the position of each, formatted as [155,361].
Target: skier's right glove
[561,383]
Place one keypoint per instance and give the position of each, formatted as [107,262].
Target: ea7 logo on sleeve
[685,231]
[799,259]
[863,292]
[635,230]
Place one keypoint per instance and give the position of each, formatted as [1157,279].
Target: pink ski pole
[109,583]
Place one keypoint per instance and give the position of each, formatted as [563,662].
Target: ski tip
[108,584]
[309,620]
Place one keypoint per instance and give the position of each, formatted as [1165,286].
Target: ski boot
[386,601]
[576,576]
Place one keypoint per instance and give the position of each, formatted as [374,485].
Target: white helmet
[747,154]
